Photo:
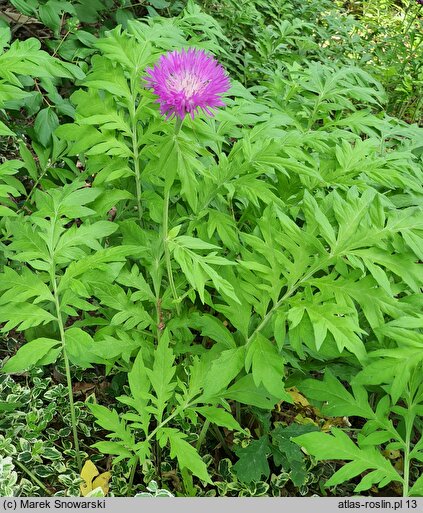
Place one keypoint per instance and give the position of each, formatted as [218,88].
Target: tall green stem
[51,246]
[132,476]
[135,147]
[409,423]
[31,192]
[178,124]
[137,175]
[175,413]
[202,435]
[166,250]
[32,476]
[67,367]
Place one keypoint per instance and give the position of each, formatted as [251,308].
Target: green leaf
[30,354]
[110,420]
[5,35]
[117,47]
[21,287]
[110,198]
[193,243]
[22,316]
[314,215]
[223,370]
[417,488]
[267,366]
[212,327]
[45,124]
[245,391]
[108,78]
[326,317]
[139,385]
[197,268]
[220,417]
[79,345]
[279,319]
[111,121]
[225,227]
[185,453]
[338,401]
[338,446]
[252,463]
[5,130]
[290,456]
[29,161]
[9,406]
[136,280]
[27,245]
[50,15]
[238,315]
[392,366]
[113,448]
[85,235]
[167,163]
[373,300]
[161,375]
[403,265]
[25,6]
[95,261]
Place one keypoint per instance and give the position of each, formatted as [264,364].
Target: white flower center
[187,83]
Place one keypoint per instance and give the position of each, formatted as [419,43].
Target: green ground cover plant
[210,305]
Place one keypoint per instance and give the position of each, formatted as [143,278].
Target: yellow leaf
[335,422]
[300,419]
[392,454]
[88,473]
[399,465]
[102,481]
[297,397]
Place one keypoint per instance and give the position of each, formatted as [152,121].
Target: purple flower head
[186,81]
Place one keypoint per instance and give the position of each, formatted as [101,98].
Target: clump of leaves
[392,425]
[205,262]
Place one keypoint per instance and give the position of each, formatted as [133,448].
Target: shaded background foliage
[296,239]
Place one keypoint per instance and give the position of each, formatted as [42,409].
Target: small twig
[61,42]
[37,87]
[17,25]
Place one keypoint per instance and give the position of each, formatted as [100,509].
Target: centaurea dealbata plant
[154,151]
[281,230]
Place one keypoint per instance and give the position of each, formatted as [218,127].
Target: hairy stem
[202,436]
[32,476]
[135,148]
[132,476]
[175,413]
[137,175]
[409,423]
[67,368]
[222,440]
[238,412]
[31,192]
[167,252]
[178,124]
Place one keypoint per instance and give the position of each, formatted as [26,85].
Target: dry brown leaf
[17,17]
